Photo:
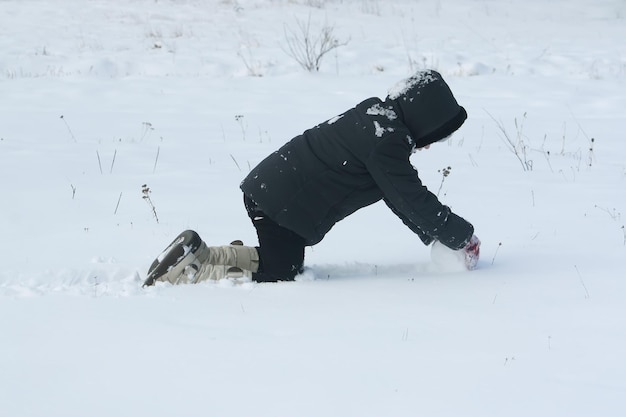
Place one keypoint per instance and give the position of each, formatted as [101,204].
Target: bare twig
[591,140]
[582,282]
[496,253]
[614,214]
[239,119]
[145,190]
[235,161]
[518,146]
[308,49]
[113,162]
[68,128]
[254,67]
[118,203]
[147,128]
[156,159]
[99,161]
[590,155]
[444,174]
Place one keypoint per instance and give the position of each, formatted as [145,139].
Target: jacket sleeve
[403,191]
[426,239]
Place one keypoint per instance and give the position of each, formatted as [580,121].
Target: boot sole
[186,242]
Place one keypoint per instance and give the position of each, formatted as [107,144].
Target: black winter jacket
[359,158]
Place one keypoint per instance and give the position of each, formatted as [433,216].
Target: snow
[420,78]
[335,119]
[377,109]
[99,98]
[379,130]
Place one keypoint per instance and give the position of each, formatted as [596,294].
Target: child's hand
[472,252]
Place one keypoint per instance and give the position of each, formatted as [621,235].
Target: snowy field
[98,98]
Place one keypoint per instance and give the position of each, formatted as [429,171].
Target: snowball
[446,259]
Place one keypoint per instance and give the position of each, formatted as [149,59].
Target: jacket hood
[427,107]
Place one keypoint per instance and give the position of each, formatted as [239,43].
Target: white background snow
[100,97]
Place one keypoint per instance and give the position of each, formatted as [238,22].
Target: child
[296,194]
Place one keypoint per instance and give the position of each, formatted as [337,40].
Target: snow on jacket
[361,157]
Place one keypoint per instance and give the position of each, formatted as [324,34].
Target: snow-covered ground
[99,98]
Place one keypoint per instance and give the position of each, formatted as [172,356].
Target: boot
[216,272]
[188,260]
[187,251]
[243,257]
[233,261]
